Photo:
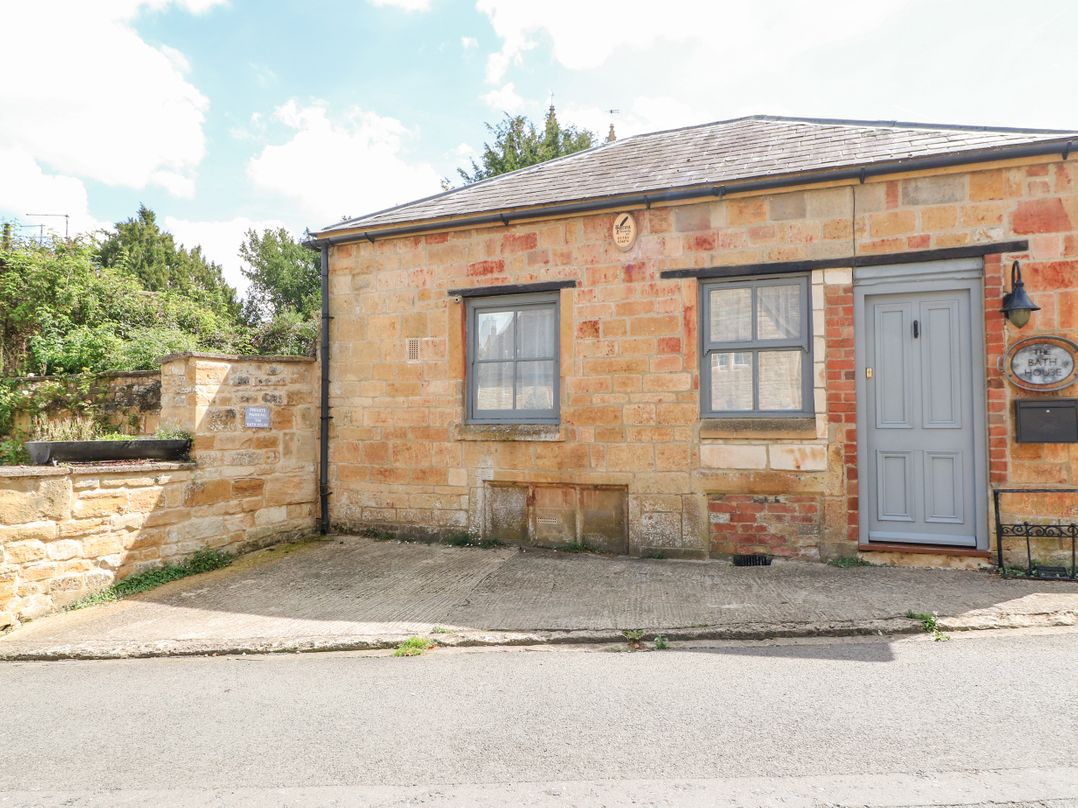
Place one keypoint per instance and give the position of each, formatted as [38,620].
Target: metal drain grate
[413,349]
[752,560]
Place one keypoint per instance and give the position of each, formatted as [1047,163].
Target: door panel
[941,364]
[920,441]
[894,485]
[892,321]
[943,487]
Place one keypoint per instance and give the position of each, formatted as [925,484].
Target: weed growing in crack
[377,533]
[413,646]
[930,622]
[850,561]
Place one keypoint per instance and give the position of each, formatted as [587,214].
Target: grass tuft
[850,561]
[577,547]
[202,561]
[414,646]
[930,623]
[661,642]
[377,533]
[465,539]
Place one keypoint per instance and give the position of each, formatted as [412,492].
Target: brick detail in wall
[995,342]
[842,390]
[782,525]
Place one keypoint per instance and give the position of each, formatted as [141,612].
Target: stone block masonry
[66,532]
[402,454]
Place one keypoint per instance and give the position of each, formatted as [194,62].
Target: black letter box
[1047,420]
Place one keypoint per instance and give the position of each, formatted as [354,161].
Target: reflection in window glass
[536,327]
[535,385]
[731,315]
[780,380]
[757,347]
[494,339]
[778,312]
[494,386]
[513,359]
[731,381]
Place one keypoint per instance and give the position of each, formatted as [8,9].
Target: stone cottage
[762,335]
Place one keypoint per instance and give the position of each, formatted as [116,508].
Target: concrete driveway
[346,592]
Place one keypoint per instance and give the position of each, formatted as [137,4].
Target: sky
[226,115]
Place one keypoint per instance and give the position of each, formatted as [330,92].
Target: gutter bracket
[1067,149]
[369,237]
[504,218]
[861,175]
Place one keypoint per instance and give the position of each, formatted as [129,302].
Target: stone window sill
[548,433]
[796,428]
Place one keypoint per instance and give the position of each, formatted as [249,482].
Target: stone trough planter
[45,452]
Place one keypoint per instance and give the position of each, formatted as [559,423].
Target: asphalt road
[985,718]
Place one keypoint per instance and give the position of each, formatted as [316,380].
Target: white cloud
[92,99]
[469,42]
[27,189]
[585,35]
[334,166]
[220,240]
[504,99]
[403,5]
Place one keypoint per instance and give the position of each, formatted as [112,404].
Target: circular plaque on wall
[1042,363]
[624,231]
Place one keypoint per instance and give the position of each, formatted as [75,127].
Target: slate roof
[760,146]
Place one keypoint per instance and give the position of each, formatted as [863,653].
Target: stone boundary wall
[126,401]
[68,531]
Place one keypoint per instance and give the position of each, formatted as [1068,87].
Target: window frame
[756,346]
[515,303]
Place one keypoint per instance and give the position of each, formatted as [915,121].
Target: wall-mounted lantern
[1016,303]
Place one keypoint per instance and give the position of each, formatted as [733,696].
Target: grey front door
[918,413]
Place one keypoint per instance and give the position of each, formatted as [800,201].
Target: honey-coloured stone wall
[68,531]
[402,455]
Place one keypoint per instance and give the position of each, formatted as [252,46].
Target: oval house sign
[1042,363]
[624,231]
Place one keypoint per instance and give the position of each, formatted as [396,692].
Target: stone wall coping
[220,357]
[95,469]
[34,471]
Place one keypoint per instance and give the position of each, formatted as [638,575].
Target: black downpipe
[323,432]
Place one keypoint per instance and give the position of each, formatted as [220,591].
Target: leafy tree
[518,144]
[60,312]
[285,276]
[141,247]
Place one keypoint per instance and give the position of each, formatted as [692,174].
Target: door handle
[916,329]
[868,373]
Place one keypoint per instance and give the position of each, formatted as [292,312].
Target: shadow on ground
[347,591]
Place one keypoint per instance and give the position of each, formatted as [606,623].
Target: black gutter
[671,195]
[323,432]
[873,260]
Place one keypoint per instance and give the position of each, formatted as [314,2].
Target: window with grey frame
[512,343]
[756,348]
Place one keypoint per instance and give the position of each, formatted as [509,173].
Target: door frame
[931,276]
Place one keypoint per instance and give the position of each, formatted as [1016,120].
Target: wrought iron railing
[1030,531]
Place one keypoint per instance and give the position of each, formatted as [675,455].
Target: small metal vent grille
[413,349]
[548,520]
[751,560]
